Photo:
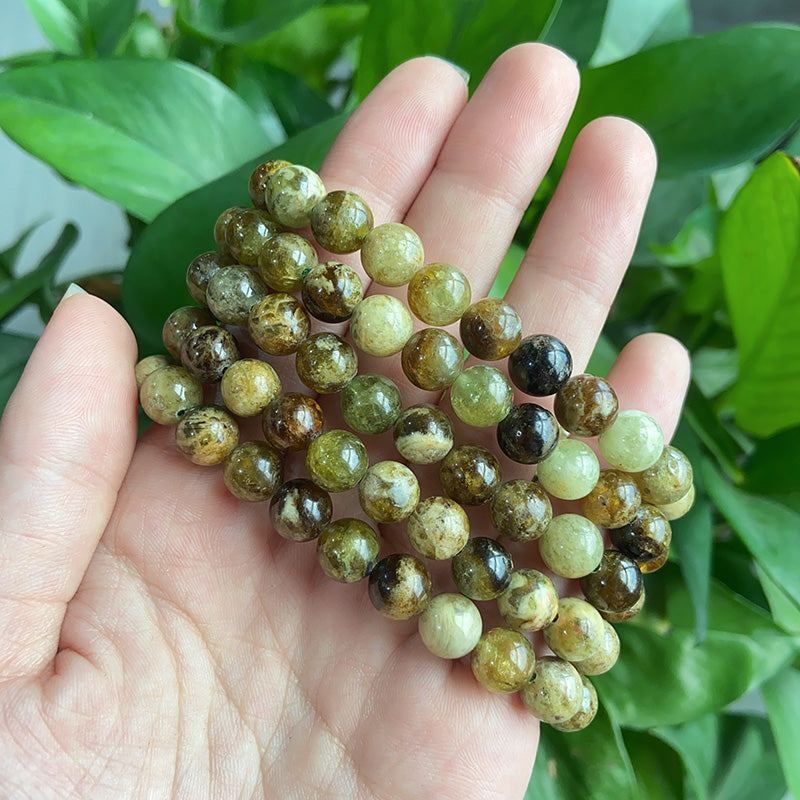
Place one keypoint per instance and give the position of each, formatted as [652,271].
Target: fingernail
[460,70]
[72,289]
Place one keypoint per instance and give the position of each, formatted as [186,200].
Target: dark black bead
[540,365]
[528,434]
[615,585]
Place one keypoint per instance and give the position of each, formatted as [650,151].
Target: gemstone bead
[606,656]
[634,441]
[555,693]
[470,475]
[615,585]
[521,510]
[168,393]
[432,359]
[219,230]
[490,329]
[232,292]
[336,460]
[668,480]
[389,492]
[380,325]
[503,660]
[326,363]
[586,712]
[528,434]
[278,324]
[450,626]
[200,271]
[646,539]
[291,421]
[626,613]
[577,632]
[253,471]
[570,471]
[246,232]
[206,435]
[529,602]
[300,510]
[572,546]
[680,507]
[180,323]
[331,291]
[438,528]
[147,366]
[540,365]
[439,294]
[423,434]
[614,500]
[248,385]
[586,405]
[340,221]
[347,550]
[400,586]
[257,185]
[391,253]
[208,352]
[482,569]
[291,194]
[283,260]
[481,396]
[370,403]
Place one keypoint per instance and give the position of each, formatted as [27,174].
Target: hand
[156,638]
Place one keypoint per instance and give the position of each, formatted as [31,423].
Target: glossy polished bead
[432,359]
[208,352]
[219,229]
[490,329]
[340,221]
[439,294]
[167,393]
[326,363]
[606,656]
[577,632]
[540,365]
[423,434]
[232,292]
[389,492]
[253,471]
[331,291]
[586,405]
[646,539]
[278,324]
[521,510]
[347,550]
[438,528]
[391,253]
[291,194]
[470,475]
[626,613]
[529,602]
[555,692]
[528,434]
[586,712]
[503,660]
[206,435]
[572,546]
[246,233]
[450,626]
[147,366]
[291,421]
[615,585]
[336,460]
[380,325]
[668,480]
[200,270]
[400,586]
[370,403]
[482,569]
[614,500]
[481,396]
[248,385]
[634,441]
[257,185]
[570,471]
[680,507]
[300,510]
[283,260]
[180,323]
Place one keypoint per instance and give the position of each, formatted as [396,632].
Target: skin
[155,639]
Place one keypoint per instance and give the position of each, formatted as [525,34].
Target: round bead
[586,712]
[570,471]
[219,229]
[470,475]
[577,632]
[529,602]
[326,363]
[331,291]
[232,292]
[147,366]
[389,492]
[572,546]
[438,528]
[586,405]
[481,396]
[370,403]
[200,271]
[291,421]
[166,394]
[503,660]
[180,323]
[482,569]
[680,507]
[450,626]
[490,329]
[615,585]
[626,613]
[300,510]
[278,324]
[400,586]
[540,365]
[423,434]
[380,325]
[432,359]
[634,442]
[291,194]
[284,259]
[248,385]
[257,185]
[340,221]
[606,656]
[391,253]
[208,352]
[336,460]
[206,435]
[347,550]
[528,434]
[614,500]
[439,294]
[646,539]
[668,480]
[555,693]
[521,510]
[253,471]
[246,232]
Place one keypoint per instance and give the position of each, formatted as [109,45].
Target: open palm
[157,639]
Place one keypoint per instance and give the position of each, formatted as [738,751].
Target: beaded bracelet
[267,279]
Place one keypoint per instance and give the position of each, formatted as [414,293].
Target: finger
[66,439]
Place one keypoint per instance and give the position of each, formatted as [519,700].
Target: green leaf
[508,270]
[603,356]
[782,698]
[15,350]
[9,256]
[96,124]
[154,281]
[785,611]
[577,26]
[714,369]
[695,742]
[695,241]
[759,247]
[765,470]
[470,33]
[658,769]
[143,39]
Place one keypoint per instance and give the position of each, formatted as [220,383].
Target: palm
[197,653]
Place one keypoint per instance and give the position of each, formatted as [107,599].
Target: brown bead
[219,229]
[248,385]
[340,221]
[300,510]
[615,585]
[278,324]
[246,233]
[432,359]
[646,539]
[490,329]
[423,434]
[389,492]
[208,352]
[284,259]
[180,323]
[326,363]
[331,291]
[167,393]
[626,614]
[206,435]
[586,405]
[200,271]
[482,569]
[291,421]
[147,366]
[400,586]
[577,632]
[503,661]
[232,292]
[470,475]
[253,471]
[614,500]
[257,184]
[521,510]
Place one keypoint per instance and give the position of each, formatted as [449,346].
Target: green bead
[503,660]
[438,528]
[337,460]
[168,392]
[481,396]
[572,546]
[555,693]
[182,322]
[482,569]
[291,194]
[391,253]
[586,711]
[284,259]
[605,657]
[529,602]
[278,324]
[147,366]
[570,471]
[347,550]
[577,633]
[439,294]
[668,480]
[253,471]
[247,230]
[340,221]
[450,626]
[380,325]
[470,474]
[389,492]
[371,403]
[232,292]
[206,435]
[326,363]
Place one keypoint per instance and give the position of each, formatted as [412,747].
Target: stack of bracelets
[268,281]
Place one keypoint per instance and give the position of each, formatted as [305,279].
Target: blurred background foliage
[167,119]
